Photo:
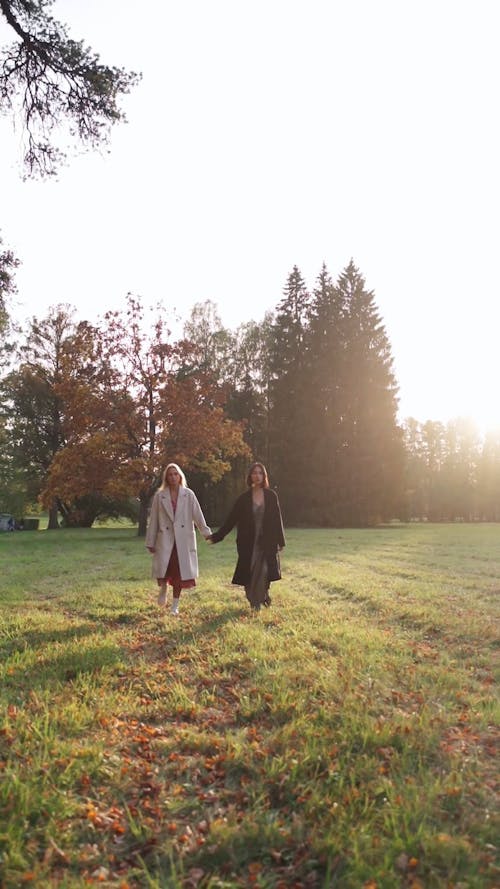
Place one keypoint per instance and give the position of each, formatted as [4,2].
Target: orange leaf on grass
[255,867]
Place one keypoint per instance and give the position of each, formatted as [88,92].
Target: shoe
[162,596]
[267,602]
[175,608]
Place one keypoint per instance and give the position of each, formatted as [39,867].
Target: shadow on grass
[36,639]
[67,667]
[112,615]
[153,639]
[346,595]
[164,636]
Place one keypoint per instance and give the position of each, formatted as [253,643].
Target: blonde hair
[164,483]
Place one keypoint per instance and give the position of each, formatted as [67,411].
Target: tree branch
[60,82]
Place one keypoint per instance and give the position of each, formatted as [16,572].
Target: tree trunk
[53,518]
[143,517]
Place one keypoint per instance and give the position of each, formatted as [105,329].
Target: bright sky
[278,132]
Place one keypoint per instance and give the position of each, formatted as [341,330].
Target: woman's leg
[162,591]
[251,598]
[175,601]
[257,591]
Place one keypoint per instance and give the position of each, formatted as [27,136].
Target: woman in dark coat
[259,537]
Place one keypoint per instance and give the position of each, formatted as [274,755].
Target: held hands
[151,549]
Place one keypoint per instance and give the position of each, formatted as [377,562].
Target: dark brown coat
[273,535]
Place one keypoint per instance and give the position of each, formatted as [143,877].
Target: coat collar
[167,503]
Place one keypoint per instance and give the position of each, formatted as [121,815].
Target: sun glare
[465,394]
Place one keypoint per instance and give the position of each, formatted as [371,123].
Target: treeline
[452,473]
[92,412]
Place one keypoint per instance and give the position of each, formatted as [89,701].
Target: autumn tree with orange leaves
[131,407]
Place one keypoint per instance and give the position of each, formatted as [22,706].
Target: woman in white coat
[171,536]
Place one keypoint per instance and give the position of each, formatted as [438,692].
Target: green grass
[343,738]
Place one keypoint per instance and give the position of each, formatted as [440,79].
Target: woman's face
[257,476]
[173,477]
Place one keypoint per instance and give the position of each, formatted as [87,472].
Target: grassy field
[343,738]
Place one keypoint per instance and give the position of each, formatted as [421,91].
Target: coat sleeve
[199,518]
[152,531]
[229,524]
[281,530]
[278,521]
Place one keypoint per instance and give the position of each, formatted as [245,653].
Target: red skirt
[173,575]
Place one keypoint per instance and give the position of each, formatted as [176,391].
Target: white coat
[164,530]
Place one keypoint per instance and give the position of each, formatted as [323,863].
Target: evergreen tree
[289,439]
[324,373]
[369,462]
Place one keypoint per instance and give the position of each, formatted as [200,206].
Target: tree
[249,397]
[370,463]
[489,478]
[326,347]
[59,82]
[8,265]
[414,503]
[460,470]
[237,366]
[289,434]
[434,450]
[137,414]
[33,407]
[211,345]
[85,477]
[13,487]
[451,475]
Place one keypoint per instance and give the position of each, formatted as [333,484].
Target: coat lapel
[179,510]
[167,504]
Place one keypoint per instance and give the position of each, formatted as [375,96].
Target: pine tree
[369,455]
[55,82]
[289,438]
[326,349]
